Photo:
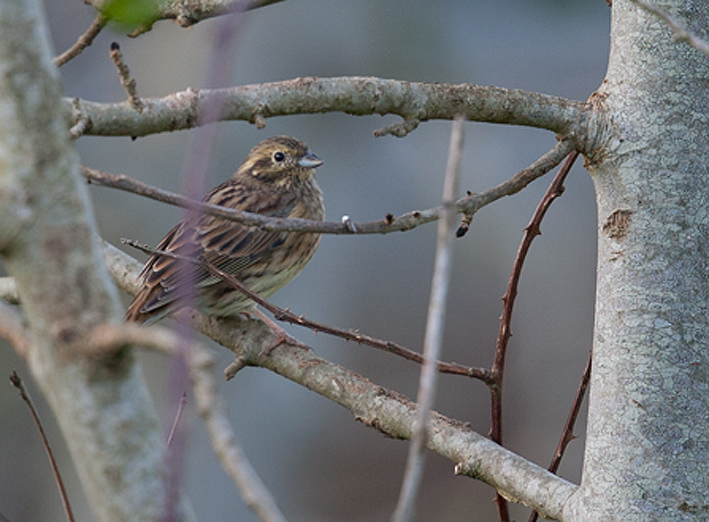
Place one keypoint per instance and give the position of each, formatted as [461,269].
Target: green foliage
[132,15]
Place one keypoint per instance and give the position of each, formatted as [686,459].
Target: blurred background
[321,464]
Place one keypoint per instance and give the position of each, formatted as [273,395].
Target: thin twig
[531,231]
[349,335]
[127,81]
[83,41]
[468,205]
[285,315]
[17,383]
[433,337]
[177,440]
[681,34]
[568,433]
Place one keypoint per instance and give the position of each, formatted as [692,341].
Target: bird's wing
[228,245]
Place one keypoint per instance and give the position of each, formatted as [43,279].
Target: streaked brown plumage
[276,179]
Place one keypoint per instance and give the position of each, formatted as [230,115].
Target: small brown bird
[276,179]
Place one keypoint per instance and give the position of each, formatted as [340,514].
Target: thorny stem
[286,315]
[568,434]
[498,368]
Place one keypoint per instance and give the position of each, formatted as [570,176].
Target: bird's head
[279,158]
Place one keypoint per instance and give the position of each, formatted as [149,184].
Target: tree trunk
[647,449]
[49,244]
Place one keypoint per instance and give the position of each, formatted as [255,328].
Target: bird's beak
[310,161]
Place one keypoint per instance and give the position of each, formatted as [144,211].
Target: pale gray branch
[376,407]
[413,101]
[187,13]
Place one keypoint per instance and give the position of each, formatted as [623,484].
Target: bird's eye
[279,156]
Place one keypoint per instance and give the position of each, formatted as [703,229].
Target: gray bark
[648,430]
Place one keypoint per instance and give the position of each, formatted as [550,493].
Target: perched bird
[276,179]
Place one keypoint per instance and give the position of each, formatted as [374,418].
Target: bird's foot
[281,336]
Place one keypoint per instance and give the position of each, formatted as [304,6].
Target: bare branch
[568,433]
[681,34]
[392,414]
[531,231]
[224,442]
[468,205]
[352,95]
[433,337]
[286,315]
[189,13]
[374,406]
[50,247]
[83,42]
